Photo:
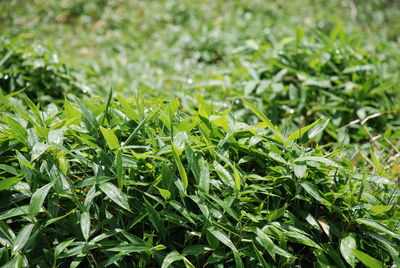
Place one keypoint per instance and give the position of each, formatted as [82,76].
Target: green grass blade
[115,195]
[22,237]
[110,137]
[38,198]
[181,169]
[366,259]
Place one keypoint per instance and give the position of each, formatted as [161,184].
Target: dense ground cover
[240,133]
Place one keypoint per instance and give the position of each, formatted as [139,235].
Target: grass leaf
[110,137]
[181,169]
[115,195]
[366,259]
[22,237]
[37,199]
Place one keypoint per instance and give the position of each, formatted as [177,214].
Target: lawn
[199,133]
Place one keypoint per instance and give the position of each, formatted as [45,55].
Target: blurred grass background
[163,45]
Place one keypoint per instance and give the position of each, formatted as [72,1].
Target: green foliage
[235,133]
[38,72]
[321,76]
[190,192]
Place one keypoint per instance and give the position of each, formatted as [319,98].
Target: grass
[151,184]
[235,134]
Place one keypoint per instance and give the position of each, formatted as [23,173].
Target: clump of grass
[144,182]
[36,71]
[288,158]
[303,79]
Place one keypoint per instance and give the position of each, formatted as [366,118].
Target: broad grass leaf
[204,179]
[181,169]
[53,220]
[192,159]
[115,195]
[26,168]
[300,238]
[16,262]
[220,121]
[379,209]
[171,258]
[379,180]
[237,178]
[37,150]
[110,137]
[313,191]
[276,214]
[366,259]
[322,259]
[299,170]
[56,136]
[154,218]
[86,140]
[334,254]
[268,122]
[317,128]
[300,132]
[6,234]
[63,164]
[69,110]
[266,242]
[85,224]
[141,124]
[270,246]
[378,226]
[108,234]
[224,174]
[164,193]
[120,170]
[199,168]
[108,103]
[204,109]
[37,199]
[173,106]
[182,210]
[61,246]
[22,237]
[167,179]
[19,131]
[223,238]
[159,247]
[187,263]
[91,194]
[238,260]
[260,257]
[194,250]
[7,183]
[14,212]
[323,160]
[88,117]
[134,248]
[346,245]
[227,208]
[129,111]
[9,169]
[39,131]
[311,220]
[93,181]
